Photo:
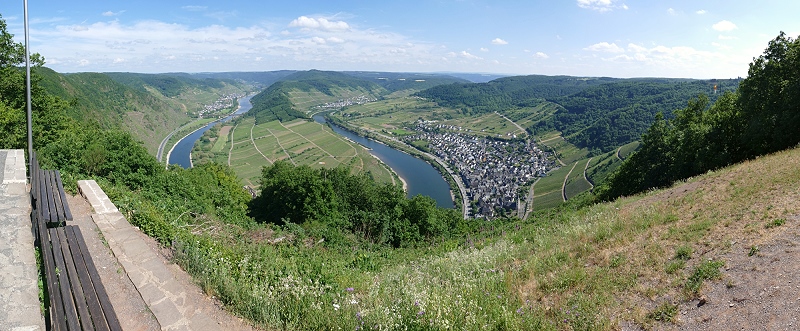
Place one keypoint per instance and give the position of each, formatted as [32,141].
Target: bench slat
[56,198]
[80,256]
[64,203]
[51,203]
[102,295]
[74,281]
[41,202]
[70,311]
[57,319]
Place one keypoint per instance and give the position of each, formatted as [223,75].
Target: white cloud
[157,46]
[601,5]
[467,55]
[605,47]
[311,23]
[540,55]
[194,8]
[498,41]
[723,37]
[335,40]
[724,25]
[119,60]
[664,56]
[720,46]
[701,12]
[671,11]
[111,13]
[484,49]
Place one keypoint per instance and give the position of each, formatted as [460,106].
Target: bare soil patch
[225,130]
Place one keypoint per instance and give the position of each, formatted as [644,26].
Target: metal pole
[28,83]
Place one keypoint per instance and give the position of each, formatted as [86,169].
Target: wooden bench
[77,297]
[48,195]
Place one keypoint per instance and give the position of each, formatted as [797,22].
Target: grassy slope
[589,268]
[612,260]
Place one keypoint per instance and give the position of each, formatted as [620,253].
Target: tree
[49,118]
[770,99]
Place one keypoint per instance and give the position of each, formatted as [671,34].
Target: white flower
[335,306]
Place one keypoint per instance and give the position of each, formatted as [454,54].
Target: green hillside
[598,114]
[397,81]
[97,97]
[296,94]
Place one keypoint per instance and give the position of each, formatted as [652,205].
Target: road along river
[181,153]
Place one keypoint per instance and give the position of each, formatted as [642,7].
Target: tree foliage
[333,200]
[763,116]
[49,118]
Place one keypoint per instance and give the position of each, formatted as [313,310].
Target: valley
[548,167]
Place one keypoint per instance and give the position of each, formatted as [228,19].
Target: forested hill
[398,81]
[605,116]
[597,113]
[169,85]
[262,78]
[315,86]
[149,106]
[97,97]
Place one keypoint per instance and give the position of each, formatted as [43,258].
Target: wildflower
[349,289]
[335,306]
[416,303]
[421,313]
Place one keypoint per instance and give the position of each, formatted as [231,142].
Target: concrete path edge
[165,297]
[20,309]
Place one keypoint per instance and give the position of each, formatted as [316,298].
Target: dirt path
[276,140]
[304,137]
[759,292]
[522,131]
[529,205]
[230,151]
[617,153]
[564,186]
[252,141]
[128,304]
[584,173]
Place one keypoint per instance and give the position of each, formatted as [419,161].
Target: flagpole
[28,83]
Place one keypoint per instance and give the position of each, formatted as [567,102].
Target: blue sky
[617,38]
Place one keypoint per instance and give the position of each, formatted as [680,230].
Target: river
[420,177]
[181,153]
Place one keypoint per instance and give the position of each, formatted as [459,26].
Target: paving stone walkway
[19,290]
[165,296]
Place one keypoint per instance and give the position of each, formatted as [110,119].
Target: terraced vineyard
[577,183]
[547,191]
[300,142]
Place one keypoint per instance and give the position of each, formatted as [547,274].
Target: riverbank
[202,125]
[457,187]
